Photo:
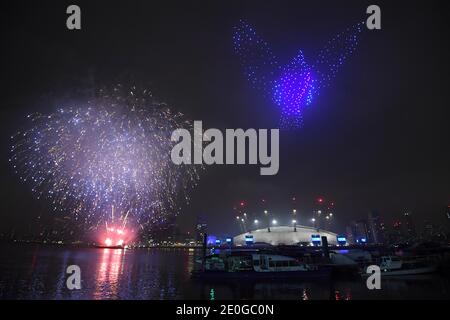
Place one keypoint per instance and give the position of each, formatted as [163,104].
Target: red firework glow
[116,237]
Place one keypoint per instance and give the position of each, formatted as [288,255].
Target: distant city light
[294,221]
[211,240]
[256,221]
[274,221]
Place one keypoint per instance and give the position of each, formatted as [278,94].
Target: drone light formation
[291,87]
[293,90]
[106,161]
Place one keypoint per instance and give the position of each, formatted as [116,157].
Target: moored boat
[395,266]
[259,266]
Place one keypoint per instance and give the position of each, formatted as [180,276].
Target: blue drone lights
[292,87]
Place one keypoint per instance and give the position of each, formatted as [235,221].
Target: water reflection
[110,267]
[304,295]
[347,295]
[39,272]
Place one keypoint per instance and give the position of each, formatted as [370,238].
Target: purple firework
[106,160]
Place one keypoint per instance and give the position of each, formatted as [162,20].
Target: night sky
[377,139]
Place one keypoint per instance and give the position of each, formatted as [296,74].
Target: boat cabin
[254,262]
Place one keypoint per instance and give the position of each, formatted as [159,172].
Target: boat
[361,257]
[258,266]
[342,265]
[395,266]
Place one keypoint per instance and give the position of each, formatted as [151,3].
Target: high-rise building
[349,234]
[375,228]
[408,225]
[396,235]
[359,231]
[200,229]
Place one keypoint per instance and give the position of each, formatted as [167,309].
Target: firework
[291,87]
[106,161]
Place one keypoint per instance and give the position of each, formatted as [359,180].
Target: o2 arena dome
[285,235]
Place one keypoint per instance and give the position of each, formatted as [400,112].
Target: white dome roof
[285,235]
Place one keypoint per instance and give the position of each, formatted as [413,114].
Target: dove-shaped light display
[291,87]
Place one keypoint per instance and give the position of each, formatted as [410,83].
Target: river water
[29,271]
